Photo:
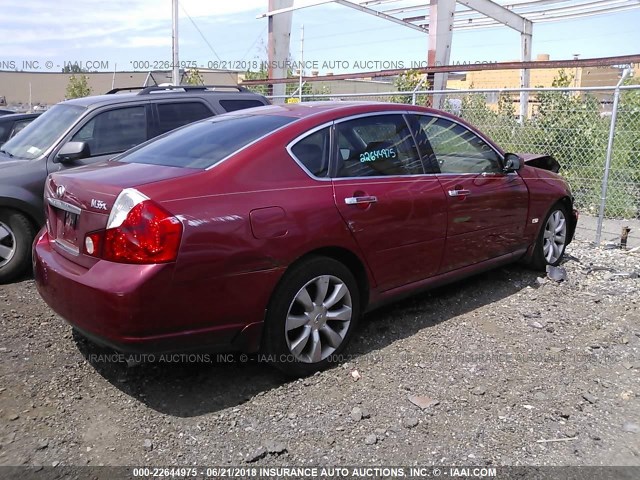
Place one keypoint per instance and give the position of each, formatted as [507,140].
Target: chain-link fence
[578,126]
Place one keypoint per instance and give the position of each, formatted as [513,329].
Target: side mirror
[512,163]
[73,151]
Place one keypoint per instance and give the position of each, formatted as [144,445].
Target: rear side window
[233,105]
[174,115]
[204,144]
[376,146]
[313,152]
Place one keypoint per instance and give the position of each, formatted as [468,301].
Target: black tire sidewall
[539,261]
[274,340]
[24,233]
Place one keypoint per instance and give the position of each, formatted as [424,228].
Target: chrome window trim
[302,136]
[371,114]
[426,176]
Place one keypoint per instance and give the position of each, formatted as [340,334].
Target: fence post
[607,163]
[413,94]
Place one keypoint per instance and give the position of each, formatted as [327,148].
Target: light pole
[174,33]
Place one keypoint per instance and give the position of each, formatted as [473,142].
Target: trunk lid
[78,202]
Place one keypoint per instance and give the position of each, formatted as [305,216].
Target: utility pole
[576,56]
[174,32]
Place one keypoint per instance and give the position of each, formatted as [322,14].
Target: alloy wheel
[318,319]
[555,234]
[7,244]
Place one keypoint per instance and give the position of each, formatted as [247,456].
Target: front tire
[16,236]
[311,316]
[552,239]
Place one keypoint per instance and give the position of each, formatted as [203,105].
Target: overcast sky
[127,34]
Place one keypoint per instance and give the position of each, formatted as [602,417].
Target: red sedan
[274,228]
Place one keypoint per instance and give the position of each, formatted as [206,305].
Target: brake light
[138,231]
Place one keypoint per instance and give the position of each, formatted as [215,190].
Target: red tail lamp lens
[149,234]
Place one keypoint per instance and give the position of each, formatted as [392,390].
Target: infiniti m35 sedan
[273,229]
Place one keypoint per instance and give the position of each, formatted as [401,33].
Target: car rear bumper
[137,308]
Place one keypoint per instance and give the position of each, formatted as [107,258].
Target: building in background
[22,89]
[541,77]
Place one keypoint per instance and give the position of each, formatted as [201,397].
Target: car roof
[328,111]
[12,117]
[160,94]
[334,109]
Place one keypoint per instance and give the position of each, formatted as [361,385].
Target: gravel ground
[502,369]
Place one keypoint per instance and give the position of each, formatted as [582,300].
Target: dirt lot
[511,370]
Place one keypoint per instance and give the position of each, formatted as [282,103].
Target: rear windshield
[233,105]
[203,144]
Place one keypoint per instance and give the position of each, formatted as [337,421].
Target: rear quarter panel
[245,221]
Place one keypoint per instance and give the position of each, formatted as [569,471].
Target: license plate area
[64,223]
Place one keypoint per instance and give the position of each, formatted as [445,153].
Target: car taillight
[138,231]
[93,243]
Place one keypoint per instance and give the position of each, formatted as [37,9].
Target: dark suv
[88,130]
[12,124]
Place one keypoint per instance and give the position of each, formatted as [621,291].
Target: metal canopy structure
[438,19]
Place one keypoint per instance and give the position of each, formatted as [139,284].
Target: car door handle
[360,200]
[459,193]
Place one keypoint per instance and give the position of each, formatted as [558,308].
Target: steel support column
[279,41]
[440,36]
[525,73]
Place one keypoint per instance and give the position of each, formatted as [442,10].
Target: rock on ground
[501,385]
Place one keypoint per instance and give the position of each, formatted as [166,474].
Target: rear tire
[552,239]
[311,316]
[16,236]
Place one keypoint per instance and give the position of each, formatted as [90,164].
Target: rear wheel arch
[349,260]
[346,257]
[312,314]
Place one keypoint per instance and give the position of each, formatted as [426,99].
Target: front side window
[313,152]
[174,115]
[457,149]
[114,131]
[379,145]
